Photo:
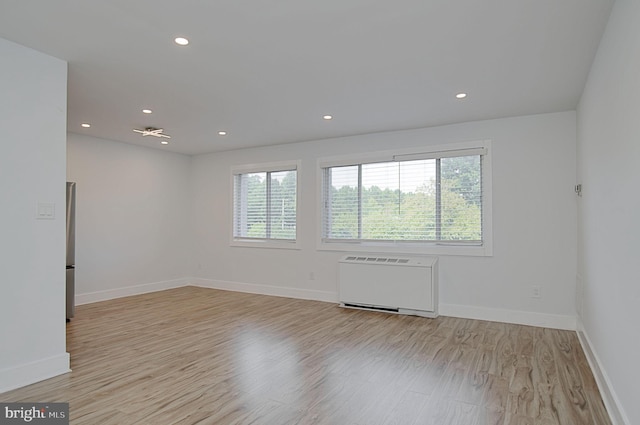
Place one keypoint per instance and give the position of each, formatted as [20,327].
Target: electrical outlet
[312,276]
[536,291]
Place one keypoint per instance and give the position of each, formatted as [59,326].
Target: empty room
[347,212]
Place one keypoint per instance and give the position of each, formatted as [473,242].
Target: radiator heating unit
[396,284]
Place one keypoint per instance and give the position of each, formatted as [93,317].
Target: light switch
[46,211]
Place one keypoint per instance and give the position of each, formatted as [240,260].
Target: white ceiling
[266,71]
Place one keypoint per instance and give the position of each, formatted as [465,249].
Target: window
[418,200]
[265,204]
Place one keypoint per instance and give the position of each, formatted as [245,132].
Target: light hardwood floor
[202,356]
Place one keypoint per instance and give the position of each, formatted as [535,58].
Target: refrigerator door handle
[71,249]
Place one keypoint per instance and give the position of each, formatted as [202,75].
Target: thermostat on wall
[46,211]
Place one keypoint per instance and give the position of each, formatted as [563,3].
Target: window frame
[271,167]
[428,248]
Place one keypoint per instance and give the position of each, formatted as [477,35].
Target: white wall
[133,234]
[534,222]
[608,165]
[32,252]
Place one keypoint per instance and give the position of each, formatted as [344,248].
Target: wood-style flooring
[203,356]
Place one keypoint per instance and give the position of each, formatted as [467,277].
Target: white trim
[30,373]
[265,243]
[406,248]
[109,294]
[292,165]
[554,321]
[485,250]
[265,167]
[449,153]
[276,291]
[608,394]
[454,310]
[389,155]
[468,312]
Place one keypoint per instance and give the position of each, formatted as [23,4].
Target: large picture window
[429,198]
[265,204]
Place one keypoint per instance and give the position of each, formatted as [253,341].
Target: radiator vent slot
[376,259]
[398,284]
[380,260]
[371,307]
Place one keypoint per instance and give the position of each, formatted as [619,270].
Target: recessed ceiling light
[164,142]
[181,41]
[85,125]
[222,133]
[327,117]
[461,95]
[147,111]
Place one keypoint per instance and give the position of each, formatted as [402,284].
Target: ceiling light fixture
[85,125]
[461,95]
[147,111]
[152,131]
[164,142]
[222,133]
[181,41]
[327,117]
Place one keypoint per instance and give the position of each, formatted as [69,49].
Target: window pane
[250,205]
[380,201]
[418,200]
[283,205]
[431,200]
[264,205]
[461,199]
[341,213]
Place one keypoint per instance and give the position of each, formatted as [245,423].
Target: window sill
[245,243]
[408,248]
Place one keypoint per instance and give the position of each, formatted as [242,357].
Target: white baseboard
[553,321]
[453,310]
[30,373]
[110,294]
[609,397]
[277,291]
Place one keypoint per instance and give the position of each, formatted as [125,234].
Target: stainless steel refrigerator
[71,249]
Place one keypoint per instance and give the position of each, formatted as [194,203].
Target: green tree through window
[425,200]
[265,205]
